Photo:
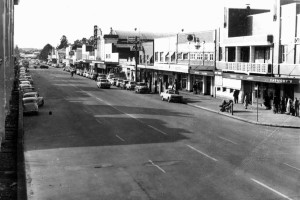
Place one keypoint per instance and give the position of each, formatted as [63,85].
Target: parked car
[43,66]
[40,100]
[24,82]
[30,105]
[23,86]
[29,89]
[171,95]
[123,84]
[130,85]
[119,81]
[113,81]
[103,83]
[141,87]
[101,76]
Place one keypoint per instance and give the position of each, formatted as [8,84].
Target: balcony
[243,67]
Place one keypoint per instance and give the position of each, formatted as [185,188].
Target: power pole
[136,59]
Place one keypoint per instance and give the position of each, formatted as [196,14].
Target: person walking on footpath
[296,107]
[195,88]
[288,106]
[282,105]
[275,104]
[236,96]
[246,100]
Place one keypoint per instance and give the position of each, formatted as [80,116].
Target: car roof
[29,99]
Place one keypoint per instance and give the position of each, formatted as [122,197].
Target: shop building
[257,54]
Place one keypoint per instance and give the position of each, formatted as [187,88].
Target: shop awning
[202,72]
[264,79]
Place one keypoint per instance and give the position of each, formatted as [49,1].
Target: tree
[63,42]
[45,52]
[90,40]
[17,52]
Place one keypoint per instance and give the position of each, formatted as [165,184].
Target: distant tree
[90,40]
[17,52]
[63,42]
[84,40]
[45,52]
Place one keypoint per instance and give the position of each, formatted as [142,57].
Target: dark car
[44,67]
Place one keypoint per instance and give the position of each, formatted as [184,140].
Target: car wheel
[169,100]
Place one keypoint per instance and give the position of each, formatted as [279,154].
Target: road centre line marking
[269,188]
[120,138]
[292,166]
[157,166]
[227,140]
[202,153]
[157,130]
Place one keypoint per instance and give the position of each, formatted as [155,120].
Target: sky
[41,22]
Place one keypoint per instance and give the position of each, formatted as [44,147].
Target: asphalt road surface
[90,143]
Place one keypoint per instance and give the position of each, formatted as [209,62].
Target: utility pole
[136,59]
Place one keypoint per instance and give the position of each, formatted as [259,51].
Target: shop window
[156,56]
[198,56]
[224,89]
[185,56]
[231,90]
[220,53]
[201,56]
[173,57]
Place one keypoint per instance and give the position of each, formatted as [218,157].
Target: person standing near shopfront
[236,96]
[296,107]
[246,100]
[282,105]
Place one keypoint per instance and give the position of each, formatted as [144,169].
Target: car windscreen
[29,95]
[104,81]
[29,101]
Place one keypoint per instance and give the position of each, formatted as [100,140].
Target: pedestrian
[72,72]
[195,88]
[236,96]
[246,100]
[296,106]
[288,106]
[282,105]
[275,104]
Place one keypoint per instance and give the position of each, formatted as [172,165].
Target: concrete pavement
[265,117]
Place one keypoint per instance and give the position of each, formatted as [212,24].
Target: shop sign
[262,79]
[218,73]
[204,73]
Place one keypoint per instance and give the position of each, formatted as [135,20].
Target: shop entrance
[288,90]
[208,83]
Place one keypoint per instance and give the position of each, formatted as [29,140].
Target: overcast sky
[38,22]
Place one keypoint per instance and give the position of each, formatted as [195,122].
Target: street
[90,143]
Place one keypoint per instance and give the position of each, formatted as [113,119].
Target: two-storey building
[258,52]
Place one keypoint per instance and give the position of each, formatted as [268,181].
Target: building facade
[258,53]
[7,58]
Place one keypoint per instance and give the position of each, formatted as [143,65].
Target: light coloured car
[171,96]
[123,84]
[130,85]
[103,83]
[119,81]
[24,82]
[23,86]
[141,87]
[40,100]
[30,105]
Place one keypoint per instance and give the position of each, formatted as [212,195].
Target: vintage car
[119,81]
[130,85]
[171,96]
[141,87]
[30,105]
[40,100]
[103,83]
[123,84]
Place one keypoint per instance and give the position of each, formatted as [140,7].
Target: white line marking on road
[292,166]
[227,140]
[120,138]
[157,130]
[269,188]
[202,153]
[157,166]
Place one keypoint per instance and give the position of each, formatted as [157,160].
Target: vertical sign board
[95,36]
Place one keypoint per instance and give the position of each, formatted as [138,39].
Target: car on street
[130,85]
[23,86]
[43,66]
[103,83]
[30,105]
[40,100]
[141,87]
[29,89]
[101,76]
[24,82]
[123,84]
[171,96]
[119,81]
[113,81]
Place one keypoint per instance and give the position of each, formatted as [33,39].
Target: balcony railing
[243,67]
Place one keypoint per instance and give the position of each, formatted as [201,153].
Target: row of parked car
[31,99]
[107,80]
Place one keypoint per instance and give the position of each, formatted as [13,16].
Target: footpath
[265,117]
